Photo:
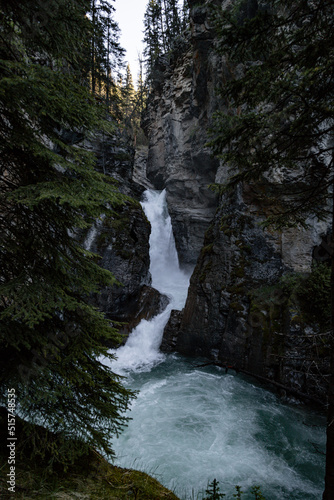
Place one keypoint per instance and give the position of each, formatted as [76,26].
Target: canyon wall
[178,113]
[246,307]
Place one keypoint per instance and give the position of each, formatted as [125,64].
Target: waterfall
[192,423]
[91,235]
[165,270]
[141,351]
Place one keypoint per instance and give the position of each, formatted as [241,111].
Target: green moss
[225,224]
[299,299]
[206,262]
[102,240]
[267,315]
[117,229]
[234,224]
[246,248]
[194,132]
[238,289]
[124,253]
[209,234]
[118,223]
[239,272]
[314,295]
[207,250]
[122,156]
[309,295]
[235,306]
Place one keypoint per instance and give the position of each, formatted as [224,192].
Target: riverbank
[89,477]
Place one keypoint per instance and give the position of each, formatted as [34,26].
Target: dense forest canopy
[164,22]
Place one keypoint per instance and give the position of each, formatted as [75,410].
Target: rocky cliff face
[122,240]
[239,311]
[178,113]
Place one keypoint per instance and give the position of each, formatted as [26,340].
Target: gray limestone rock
[237,260]
[236,312]
[178,113]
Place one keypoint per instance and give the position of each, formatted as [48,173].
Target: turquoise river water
[192,423]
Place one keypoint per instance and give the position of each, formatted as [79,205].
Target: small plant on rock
[257,493]
[213,491]
[238,493]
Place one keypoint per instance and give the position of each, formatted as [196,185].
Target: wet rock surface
[122,239]
[237,312]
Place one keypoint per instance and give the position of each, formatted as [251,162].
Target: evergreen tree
[51,338]
[142,89]
[163,24]
[128,93]
[213,491]
[106,52]
[132,104]
[153,34]
[140,104]
[113,60]
[278,118]
[185,15]
[173,21]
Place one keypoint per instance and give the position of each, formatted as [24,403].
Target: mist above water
[191,424]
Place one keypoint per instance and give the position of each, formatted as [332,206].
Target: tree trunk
[93,47]
[108,66]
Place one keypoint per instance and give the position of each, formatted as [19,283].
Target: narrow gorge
[167,273]
[192,422]
[241,308]
[244,311]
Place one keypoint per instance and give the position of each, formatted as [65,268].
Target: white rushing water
[191,424]
[141,351]
[92,232]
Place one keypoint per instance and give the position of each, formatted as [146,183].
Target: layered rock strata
[241,313]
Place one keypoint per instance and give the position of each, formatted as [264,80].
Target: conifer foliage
[278,101]
[51,338]
[132,105]
[278,119]
[129,94]
[105,53]
[164,21]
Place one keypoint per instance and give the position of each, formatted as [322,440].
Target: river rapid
[192,423]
